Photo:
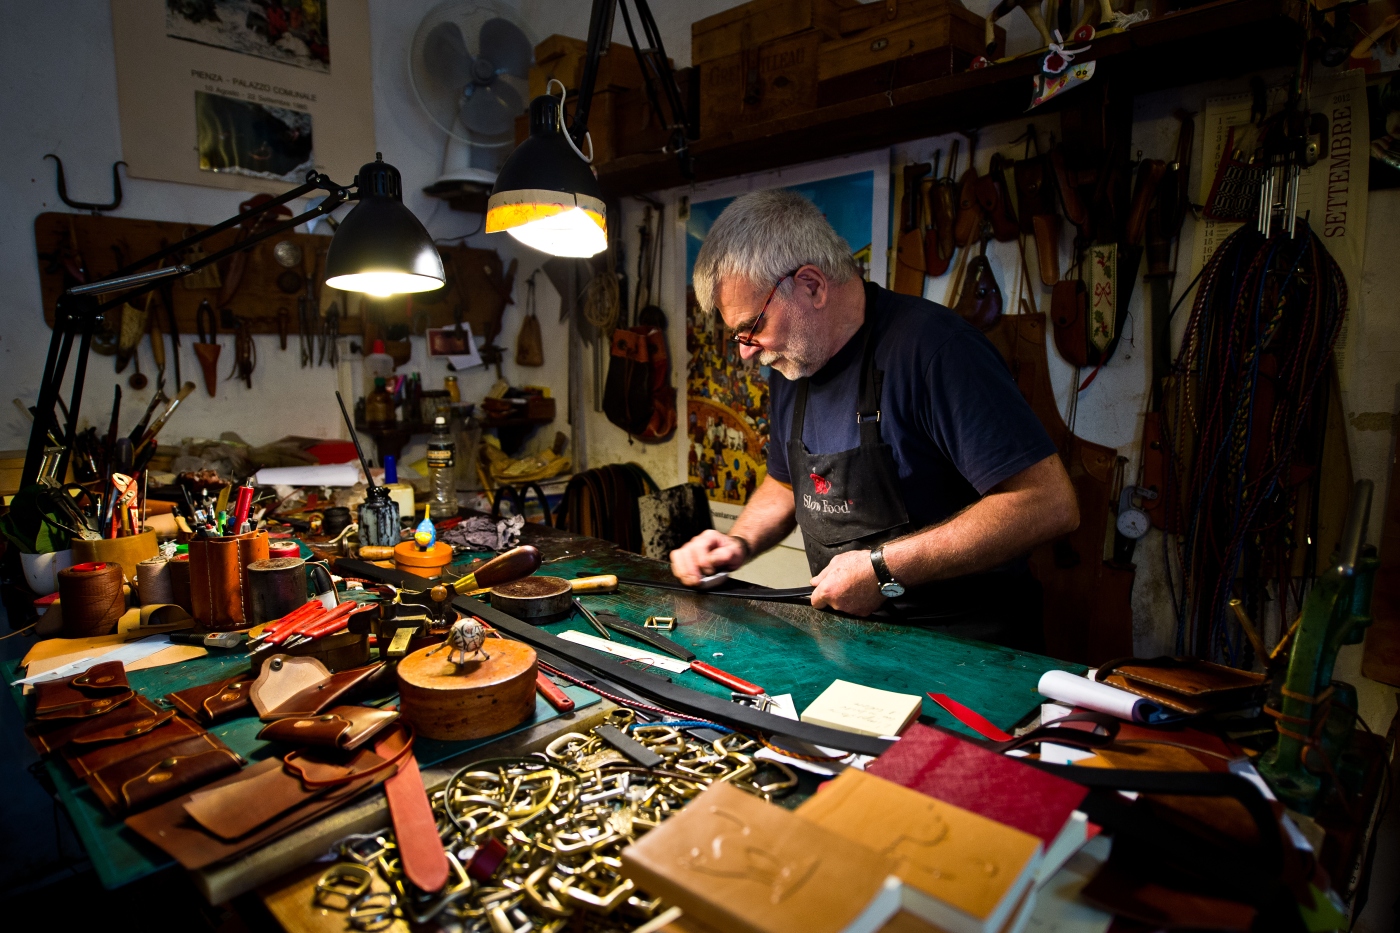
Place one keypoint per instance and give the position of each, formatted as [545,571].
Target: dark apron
[852,500]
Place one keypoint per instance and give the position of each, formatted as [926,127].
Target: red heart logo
[821,485]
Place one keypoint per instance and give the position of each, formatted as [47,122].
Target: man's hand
[848,584]
[707,553]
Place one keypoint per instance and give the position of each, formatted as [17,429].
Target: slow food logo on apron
[822,487]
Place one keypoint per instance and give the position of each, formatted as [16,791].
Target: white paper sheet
[1081,691]
[324,474]
[653,658]
[132,651]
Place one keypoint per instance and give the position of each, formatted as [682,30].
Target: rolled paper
[1065,687]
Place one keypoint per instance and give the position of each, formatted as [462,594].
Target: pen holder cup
[219,595]
[127,551]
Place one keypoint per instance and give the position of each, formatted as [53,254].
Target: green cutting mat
[791,648]
[120,856]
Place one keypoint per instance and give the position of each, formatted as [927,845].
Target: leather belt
[420,848]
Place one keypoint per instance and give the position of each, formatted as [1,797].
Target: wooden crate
[899,53]
[601,122]
[636,127]
[865,16]
[562,57]
[776,79]
[750,25]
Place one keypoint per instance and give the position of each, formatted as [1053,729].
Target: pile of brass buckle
[558,822]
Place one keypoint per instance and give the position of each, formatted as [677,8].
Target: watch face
[891,590]
[1134,523]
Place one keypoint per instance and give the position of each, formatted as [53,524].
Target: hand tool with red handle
[727,679]
[553,693]
[291,618]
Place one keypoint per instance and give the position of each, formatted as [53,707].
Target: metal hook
[88,205]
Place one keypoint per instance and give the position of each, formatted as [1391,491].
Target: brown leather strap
[415,828]
[293,762]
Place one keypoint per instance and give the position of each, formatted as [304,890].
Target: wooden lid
[408,554]
[532,588]
[432,671]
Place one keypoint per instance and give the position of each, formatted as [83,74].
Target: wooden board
[453,702]
[475,279]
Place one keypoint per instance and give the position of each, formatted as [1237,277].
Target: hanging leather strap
[415,828]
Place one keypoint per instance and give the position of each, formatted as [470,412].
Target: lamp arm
[600,26]
[656,69]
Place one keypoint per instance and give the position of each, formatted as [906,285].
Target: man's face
[787,337]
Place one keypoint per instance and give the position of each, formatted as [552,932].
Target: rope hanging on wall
[1243,427]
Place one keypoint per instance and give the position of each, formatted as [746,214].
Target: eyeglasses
[746,339]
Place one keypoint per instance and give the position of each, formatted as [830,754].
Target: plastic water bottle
[442,474]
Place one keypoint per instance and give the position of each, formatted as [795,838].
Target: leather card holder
[319,697]
[90,693]
[1191,677]
[343,727]
[258,796]
[128,721]
[211,702]
[323,767]
[159,773]
[50,736]
[86,760]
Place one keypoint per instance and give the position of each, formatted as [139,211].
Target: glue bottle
[442,475]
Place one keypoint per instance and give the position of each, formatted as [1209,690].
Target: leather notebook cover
[171,829]
[736,863]
[211,702]
[52,735]
[1003,789]
[84,760]
[974,870]
[159,773]
[344,727]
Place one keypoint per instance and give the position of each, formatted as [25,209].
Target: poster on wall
[727,399]
[244,94]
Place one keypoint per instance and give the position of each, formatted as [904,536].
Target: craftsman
[899,443]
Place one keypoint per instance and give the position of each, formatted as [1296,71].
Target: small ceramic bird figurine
[466,637]
[425,535]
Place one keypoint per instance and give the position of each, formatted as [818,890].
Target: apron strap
[872,381]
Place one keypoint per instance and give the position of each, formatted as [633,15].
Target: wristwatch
[889,586]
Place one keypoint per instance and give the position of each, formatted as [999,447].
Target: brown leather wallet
[169,827]
[90,693]
[259,795]
[84,760]
[217,570]
[49,736]
[159,773]
[211,702]
[321,696]
[343,727]
[1187,685]
[324,767]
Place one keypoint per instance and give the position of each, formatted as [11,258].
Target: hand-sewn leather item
[322,696]
[995,201]
[281,678]
[1069,302]
[159,773]
[133,719]
[1186,685]
[84,760]
[211,702]
[1047,246]
[980,301]
[420,846]
[217,570]
[93,692]
[968,223]
[169,828]
[49,736]
[259,795]
[323,767]
[342,727]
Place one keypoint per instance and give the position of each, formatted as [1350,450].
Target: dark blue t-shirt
[948,407]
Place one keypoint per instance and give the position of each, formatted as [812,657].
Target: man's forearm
[768,518]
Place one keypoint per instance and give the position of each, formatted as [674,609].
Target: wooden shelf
[1222,39]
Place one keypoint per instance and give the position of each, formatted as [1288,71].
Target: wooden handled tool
[602,583]
[512,565]
[376,552]
[727,679]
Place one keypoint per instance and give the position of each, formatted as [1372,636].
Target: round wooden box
[429,563]
[482,697]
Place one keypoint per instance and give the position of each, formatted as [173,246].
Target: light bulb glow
[384,284]
[573,233]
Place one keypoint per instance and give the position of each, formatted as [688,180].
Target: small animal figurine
[466,638]
[425,535]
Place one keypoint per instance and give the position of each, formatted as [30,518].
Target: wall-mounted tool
[112,205]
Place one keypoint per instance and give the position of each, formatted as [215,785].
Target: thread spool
[283,549]
[276,586]
[334,520]
[179,574]
[92,600]
[153,581]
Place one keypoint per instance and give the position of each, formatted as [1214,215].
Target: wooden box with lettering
[900,52]
[562,57]
[750,25]
[776,79]
[638,129]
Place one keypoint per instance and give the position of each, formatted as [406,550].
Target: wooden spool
[534,599]
[469,701]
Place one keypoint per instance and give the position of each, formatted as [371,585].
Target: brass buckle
[342,886]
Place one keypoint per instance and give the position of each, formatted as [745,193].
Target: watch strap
[882,570]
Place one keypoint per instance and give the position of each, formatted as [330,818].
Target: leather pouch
[259,795]
[169,827]
[980,300]
[323,767]
[49,737]
[342,727]
[219,598]
[321,696]
[159,773]
[90,693]
[1069,313]
[1187,685]
[209,703]
[84,760]
[968,224]
[995,201]
[1047,246]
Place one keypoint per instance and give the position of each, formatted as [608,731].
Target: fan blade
[504,43]
[491,110]
[446,57]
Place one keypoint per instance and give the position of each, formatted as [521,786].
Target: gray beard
[799,362]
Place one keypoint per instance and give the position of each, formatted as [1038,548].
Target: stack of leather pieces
[1185,685]
[131,753]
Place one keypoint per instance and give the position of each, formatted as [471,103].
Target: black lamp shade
[545,194]
[380,247]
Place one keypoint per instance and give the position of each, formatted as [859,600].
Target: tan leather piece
[343,727]
[50,736]
[322,696]
[1047,246]
[158,773]
[1193,676]
[211,702]
[321,767]
[86,760]
[217,570]
[261,794]
[281,678]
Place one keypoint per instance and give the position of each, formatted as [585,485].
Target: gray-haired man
[899,443]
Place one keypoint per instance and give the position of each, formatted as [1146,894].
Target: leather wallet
[258,796]
[170,828]
[323,767]
[218,566]
[1186,685]
[321,696]
[211,702]
[343,727]
[137,782]
[90,693]
[84,760]
[50,736]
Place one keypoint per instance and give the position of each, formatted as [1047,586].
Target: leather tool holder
[1069,312]
[302,687]
[980,300]
[342,727]
[995,201]
[157,774]
[95,691]
[208,703]
[218,569]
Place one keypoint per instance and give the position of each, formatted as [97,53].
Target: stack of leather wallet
[131,753]
[1186,685]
